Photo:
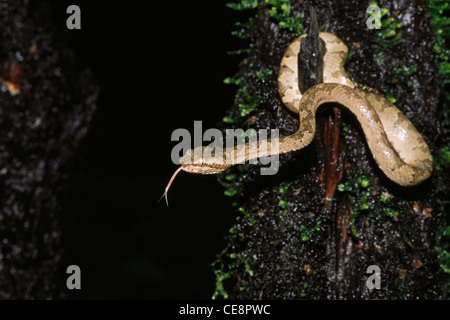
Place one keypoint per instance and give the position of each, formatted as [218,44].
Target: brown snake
[396,145]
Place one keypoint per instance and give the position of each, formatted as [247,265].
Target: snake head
[203,160]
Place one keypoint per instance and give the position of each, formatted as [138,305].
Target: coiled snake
[396,145]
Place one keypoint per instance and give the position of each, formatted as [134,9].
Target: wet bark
[46,107]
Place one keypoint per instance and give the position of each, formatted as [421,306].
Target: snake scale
[397,147]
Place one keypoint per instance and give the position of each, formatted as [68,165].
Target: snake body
[397,147]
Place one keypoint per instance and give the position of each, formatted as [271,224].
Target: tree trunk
[45,108]
[313,229]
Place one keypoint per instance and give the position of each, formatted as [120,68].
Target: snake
[396,146]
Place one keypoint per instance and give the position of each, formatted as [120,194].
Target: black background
[159,66]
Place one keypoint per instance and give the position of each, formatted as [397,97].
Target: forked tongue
[169,184]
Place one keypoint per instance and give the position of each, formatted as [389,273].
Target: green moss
[444,154]
[264,74]
[306,232]
[229,119]
[248,268]
[384,198]
[247,108]
[363,181]
[283,204]
[388,93]
[444,256]
[233,233]
[363,204]
[439,12]
[280,10]
[387,36]
[243,5]
[354,183]
[226,269]
[390,212]
[243,29]
[240,51]
[406,237]
[404,71]
[233,182]
[357,186]
[353,217]
[440,21]
[239,81]
[220,291]
[350,55]
[441,163]
[284,188]
[229,181]
[282,214]
[230,192]
[303,290]
[385,39]
[248,215]
[245,101]
[221,276]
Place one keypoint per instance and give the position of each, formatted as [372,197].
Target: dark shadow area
[159,67]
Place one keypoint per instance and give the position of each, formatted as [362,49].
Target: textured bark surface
[45,109]
[312,230]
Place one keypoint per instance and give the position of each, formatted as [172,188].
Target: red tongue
[169,184]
